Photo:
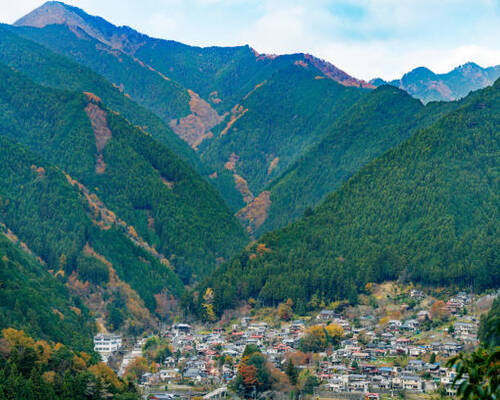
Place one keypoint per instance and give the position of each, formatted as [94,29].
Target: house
[327,315]
[182,328]
[417,294]
[423,315]
[105,345]
[168,374]
[412,383]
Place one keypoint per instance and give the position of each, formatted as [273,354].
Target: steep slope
[222,75]
[142,83]
[168,205]
[274,124]
[80,244]
[50,69]
[426,211]
[33,300]
[424,84]
[377,122]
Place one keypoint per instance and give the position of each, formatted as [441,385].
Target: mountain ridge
[426,85]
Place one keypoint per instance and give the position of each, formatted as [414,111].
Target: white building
[105,345]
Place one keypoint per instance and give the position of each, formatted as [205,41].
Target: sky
[365,38]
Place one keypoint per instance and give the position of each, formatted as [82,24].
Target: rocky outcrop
[255,213]
[195,127]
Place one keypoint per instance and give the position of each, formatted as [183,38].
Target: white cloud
[366,38]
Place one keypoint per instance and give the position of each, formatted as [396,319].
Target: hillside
[376,123]
[427,86]
[33,300]
[50,69]
[275,124]
[426,211]
[222,74]
[144,183]
[45,370]
[190,88]
[149,212]
[81,243]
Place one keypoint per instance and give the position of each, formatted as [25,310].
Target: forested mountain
[201,91]
[35,301]
[424,84]
[377,122]
[426,211]
[81,242]
[50,69]
[222,75]
[116,198]
[273,125]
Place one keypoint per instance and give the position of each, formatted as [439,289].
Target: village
[402,353]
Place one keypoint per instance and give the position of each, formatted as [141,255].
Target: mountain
[425,211]
[81,243]
[376,123]
[225,70]
[273,125]
[35,301]
[424,84]
[201,83]
[199,91]
[50,69]
[128,201]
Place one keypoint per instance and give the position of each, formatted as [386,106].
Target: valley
[193,222]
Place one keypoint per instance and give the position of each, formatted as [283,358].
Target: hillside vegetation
[48,68]
[426,211]
[35,301]
[276,123]
[376,123]
[145,184]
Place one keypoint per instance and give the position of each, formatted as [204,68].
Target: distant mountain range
[427,86]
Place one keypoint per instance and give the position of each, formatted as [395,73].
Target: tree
[292,372]
[307,381]
[253,375]
[478,374]
[208,305]
[318,338]
[285,311]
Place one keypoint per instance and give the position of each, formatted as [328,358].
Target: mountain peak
[58,13]
[419,73]
[332,72]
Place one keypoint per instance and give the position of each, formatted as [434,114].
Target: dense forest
[48,68]
[141,181]
[426,211]
[59,225]
[37,369]
[276,123]
[165,97]
[33,300]
[376,123]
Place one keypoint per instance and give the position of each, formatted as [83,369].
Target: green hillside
[51,69]
[426,211]
[54,219]
[378,122]
[276,123]
[33,300]
[166,98]
[166,202]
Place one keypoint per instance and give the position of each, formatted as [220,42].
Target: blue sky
[366,38]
